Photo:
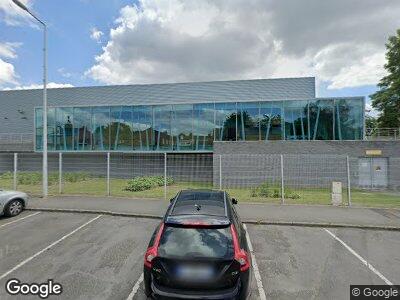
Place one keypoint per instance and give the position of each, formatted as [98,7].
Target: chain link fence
[290,179]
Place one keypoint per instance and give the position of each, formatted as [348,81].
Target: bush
[266,189]
[7,175]
[143,183]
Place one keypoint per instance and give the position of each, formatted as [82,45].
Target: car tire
[14,208]
[147,288]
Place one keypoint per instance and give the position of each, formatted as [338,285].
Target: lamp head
[20,4]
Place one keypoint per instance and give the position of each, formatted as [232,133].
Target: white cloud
[7,70]
[7,50]
[12,15]
[341,42]
[96,34]
[50,85]
[7,73]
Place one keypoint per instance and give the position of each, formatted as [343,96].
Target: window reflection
[203,126]
[182,127]
[82,129]
[296,120]
[162,139]
[101,128]
[271,121]
[188,127]
[64,129]
[248,120]
[39,129]
[321,120]
[121,128]
[225,121]
[349,119]
[142,124]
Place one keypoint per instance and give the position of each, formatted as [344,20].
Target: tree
[387,99]
[371,122]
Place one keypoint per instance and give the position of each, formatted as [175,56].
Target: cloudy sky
[96,42]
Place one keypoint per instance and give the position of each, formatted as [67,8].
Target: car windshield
[199,243]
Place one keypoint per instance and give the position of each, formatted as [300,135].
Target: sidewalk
[254,213]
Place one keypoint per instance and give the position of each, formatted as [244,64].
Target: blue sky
[175,41]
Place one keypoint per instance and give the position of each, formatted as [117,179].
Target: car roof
[201,204]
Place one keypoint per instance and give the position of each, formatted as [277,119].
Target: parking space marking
[20,219]
[47,248]
[257,274]
[366,263]
[135,287]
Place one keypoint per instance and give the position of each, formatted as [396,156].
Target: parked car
[12,203]
[199,250]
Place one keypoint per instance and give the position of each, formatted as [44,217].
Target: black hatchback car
[199,250]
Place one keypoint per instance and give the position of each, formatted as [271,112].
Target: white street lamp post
[45,182]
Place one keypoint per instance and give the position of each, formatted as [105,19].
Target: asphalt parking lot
[101,257]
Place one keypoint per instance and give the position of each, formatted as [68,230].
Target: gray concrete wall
[306,163]
[350,148]
[182,167]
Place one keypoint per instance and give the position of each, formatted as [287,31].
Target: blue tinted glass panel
[39,129]
[51,129]
[82,128]
[321,120]
[203,126]
[296,120]
[142,125]
[121,128]
[162,138]
[225,121]
[64,133]
[101,128]
[248,120]
[349,119]
[182,127]
[271,115]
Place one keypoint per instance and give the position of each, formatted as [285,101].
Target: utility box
[336,194]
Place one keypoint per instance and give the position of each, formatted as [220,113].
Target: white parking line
[20,219]
[366,263]
[255,267]
[47,248]
[135,288]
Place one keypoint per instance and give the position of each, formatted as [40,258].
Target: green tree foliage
[371,122]
[387,99]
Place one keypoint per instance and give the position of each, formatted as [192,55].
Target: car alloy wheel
[15,207]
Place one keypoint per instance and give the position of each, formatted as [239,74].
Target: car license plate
[190,272]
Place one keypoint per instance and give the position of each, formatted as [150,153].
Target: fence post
[15,171]
[282,183]
[60,174]
[348,181]
[165,176]
[220,172]
[108,174]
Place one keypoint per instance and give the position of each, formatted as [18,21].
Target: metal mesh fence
[6,171]
[256,178]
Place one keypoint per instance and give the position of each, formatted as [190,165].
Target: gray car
[12,203]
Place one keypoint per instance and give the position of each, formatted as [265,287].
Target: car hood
[12,193]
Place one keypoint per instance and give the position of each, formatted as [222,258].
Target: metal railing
[382,134]
[258,178]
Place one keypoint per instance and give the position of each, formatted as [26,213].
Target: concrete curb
[97,212]
[322,224]
[253,222]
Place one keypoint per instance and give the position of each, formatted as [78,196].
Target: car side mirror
[171,200]
[234,201]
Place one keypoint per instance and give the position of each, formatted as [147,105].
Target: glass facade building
[194,127]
